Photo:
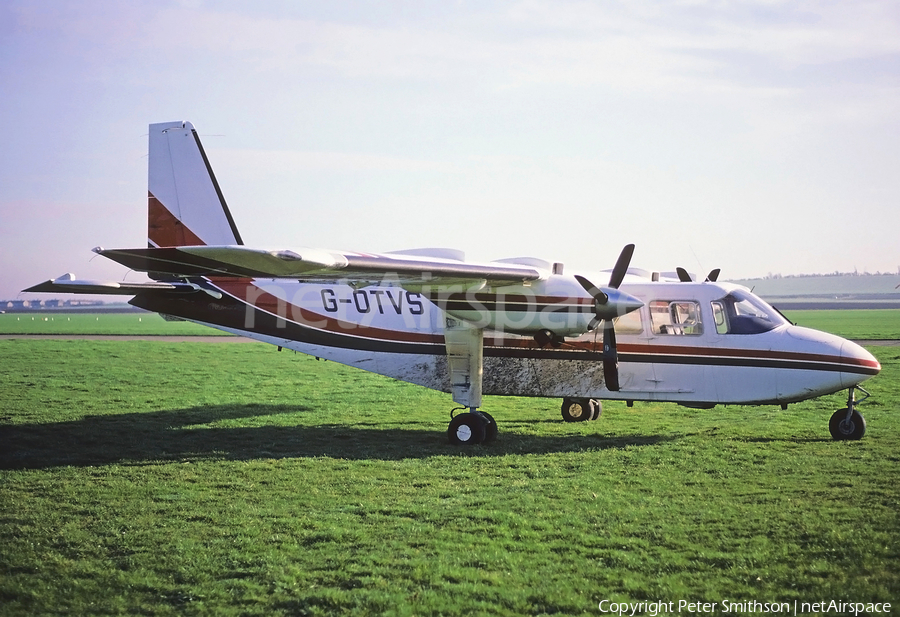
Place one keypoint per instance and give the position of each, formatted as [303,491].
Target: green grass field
[212,479]
[136,324]
[852,324]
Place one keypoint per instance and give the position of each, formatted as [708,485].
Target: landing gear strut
[471,428]
[847,423]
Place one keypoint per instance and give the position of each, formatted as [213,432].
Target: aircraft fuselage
[692,343]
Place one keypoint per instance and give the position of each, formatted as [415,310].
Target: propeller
[684,277]
[609,303]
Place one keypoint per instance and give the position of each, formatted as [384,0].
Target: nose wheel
[848,423]
[471,428]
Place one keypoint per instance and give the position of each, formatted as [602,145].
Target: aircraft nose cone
[859,364]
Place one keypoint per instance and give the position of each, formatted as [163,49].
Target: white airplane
[514,327]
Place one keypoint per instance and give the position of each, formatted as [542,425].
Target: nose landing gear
[847,423]
[471,428]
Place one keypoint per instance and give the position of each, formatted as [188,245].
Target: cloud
[633,45]
[371,115]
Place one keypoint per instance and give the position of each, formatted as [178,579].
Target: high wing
[316,265]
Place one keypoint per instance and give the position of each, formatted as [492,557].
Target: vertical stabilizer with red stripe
[185,204]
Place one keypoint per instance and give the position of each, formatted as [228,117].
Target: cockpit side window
[720,317]
[743,313]
[676,317]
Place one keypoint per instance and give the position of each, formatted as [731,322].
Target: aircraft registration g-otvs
[516,327]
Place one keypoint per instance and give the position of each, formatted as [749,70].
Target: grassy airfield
[188,479]
[134,324]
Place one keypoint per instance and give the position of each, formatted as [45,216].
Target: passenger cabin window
[680,317]
[743,313]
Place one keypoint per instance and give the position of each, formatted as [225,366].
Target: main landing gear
[472,427]
[847,423]
[581,409]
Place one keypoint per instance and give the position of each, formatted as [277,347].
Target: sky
[755,137]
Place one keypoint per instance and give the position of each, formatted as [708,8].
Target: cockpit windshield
[743,313]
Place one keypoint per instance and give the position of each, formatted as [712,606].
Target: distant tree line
[771,276]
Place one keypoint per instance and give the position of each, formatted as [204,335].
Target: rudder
[185,205]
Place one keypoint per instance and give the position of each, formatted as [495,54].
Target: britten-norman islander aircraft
[516,327]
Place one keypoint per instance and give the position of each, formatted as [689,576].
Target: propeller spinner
[610,303]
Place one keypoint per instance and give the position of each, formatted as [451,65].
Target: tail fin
[185,205]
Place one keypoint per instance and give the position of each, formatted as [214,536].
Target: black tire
[843,429]
[466,429]
[596,408]
[576,409]
[490,429]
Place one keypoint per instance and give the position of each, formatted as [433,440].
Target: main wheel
[841,428]
[596,408]
[490,429]
[576,409]
[466,429]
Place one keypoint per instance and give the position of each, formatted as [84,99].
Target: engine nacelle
[522,311]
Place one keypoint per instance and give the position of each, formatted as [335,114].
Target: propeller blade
[621,267]
[621,303]
[713,275]
[683,275]
[609,302]
[595,292]
[610,357]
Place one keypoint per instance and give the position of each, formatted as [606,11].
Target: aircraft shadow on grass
[207,433]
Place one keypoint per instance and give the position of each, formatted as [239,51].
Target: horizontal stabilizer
[67,283]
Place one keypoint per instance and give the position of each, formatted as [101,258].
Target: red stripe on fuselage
[693,351]
[242,289]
